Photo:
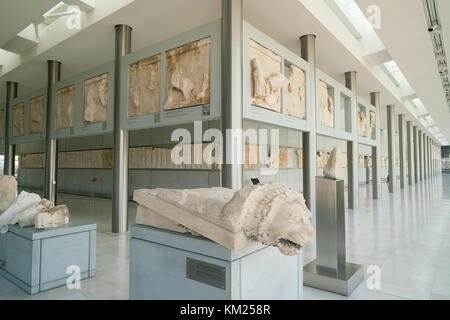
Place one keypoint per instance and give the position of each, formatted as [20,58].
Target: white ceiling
[286,20]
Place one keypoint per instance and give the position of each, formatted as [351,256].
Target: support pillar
[416,155]
[308,53]
[401,138]
[352,146]
[425,157]
[391,147]
[409,150]
[120,148]
[430,166]
[420,155]
[376,151]
[9,151]
[51,144]
[232,33]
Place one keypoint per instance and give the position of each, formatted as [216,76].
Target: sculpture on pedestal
[145,87]
[362,126]
[96,99]
[333,168]
[270,213]
[188,75]
[52,217]
[326,106]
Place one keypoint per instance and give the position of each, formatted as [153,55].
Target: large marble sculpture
[65,99]
[296,93]
[326,106]
[18,120]
[23,202]
[270,213]
[36,115]
[333,168]
[2,124]
[52,217]
[8,191]
[188,75]
[266,78]
[96,99]
[362,125]
[27,217]
[145,87]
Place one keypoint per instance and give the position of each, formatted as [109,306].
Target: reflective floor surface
[405,235]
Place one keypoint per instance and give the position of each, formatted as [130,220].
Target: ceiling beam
[84,5]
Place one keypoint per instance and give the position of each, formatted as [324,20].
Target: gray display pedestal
[168,265]
[330,271]
[37,260]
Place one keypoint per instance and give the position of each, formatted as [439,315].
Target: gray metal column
[352,146]
[409,150]
[120,148]
[416,147]
[391,147]
[9,151]
[376,151]
[232,33]
[401,138]
[51,144]
[309,142]
[420,156]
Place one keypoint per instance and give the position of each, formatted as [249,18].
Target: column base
[345,286]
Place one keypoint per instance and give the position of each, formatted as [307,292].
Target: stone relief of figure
[18,120]
[270,213]
[64,107]
[372,122]
[96,100]
[145,87]
[296,93]
[188,75]
[326,106]
[37,115]
[362,125]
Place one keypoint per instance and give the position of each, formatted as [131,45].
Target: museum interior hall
[224,150]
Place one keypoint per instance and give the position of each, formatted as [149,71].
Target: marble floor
[405,235]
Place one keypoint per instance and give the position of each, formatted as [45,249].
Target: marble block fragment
[326,106]
[52,218]
[322,159]
[8,191]
[362,125]
[145,87]
[18,120]
[188,75]
[21,203]
[27,217]
[36,115]
[271,213]
[333,168]
[296,93]
[266,78]
[96,99]
[65,100]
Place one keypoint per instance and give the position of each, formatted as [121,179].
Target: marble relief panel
[188,75]
[37,115]
[145,87]
[296,93]
[266,78]
[18,120]
[96,99]
[326,106]
[32,160]
[65,100]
